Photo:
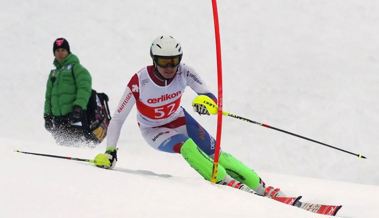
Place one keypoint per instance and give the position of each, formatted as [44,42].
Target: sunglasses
[167,61]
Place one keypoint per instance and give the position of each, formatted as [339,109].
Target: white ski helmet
[165,46]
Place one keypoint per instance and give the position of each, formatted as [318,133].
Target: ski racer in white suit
[157,90]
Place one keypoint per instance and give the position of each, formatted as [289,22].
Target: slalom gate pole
[219,97]
[291,133]
[56,156]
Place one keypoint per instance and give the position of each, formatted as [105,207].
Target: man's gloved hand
[108,159]
[76,114]
[203,104]
[200,109]
[48,122]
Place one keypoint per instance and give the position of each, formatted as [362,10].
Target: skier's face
[60,54]
[167,72]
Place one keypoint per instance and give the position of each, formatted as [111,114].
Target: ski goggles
[167,61]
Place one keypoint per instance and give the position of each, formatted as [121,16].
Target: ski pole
[56,156]
[212,109]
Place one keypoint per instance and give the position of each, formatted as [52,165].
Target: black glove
[48,122]
[112,151]
[76,114]
[200,109]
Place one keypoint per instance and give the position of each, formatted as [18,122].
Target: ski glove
[76,114]
[108,159]
[200,109]
[48,122]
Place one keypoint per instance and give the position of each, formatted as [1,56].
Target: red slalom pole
[219,97]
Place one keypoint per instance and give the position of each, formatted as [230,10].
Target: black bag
[98,115]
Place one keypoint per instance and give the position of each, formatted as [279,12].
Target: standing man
[157,90]
[67,93]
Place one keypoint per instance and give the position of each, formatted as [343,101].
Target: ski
[311,207]
[323,209]
[319,208]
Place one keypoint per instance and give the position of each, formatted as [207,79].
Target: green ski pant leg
[199,161]
[239,171]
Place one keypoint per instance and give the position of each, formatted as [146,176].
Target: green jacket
[68,85]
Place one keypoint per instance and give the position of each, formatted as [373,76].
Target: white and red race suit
[158,101]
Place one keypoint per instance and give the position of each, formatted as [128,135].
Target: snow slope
[304,66]
[41,187]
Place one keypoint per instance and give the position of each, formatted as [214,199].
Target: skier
[166,126]
[67,94]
